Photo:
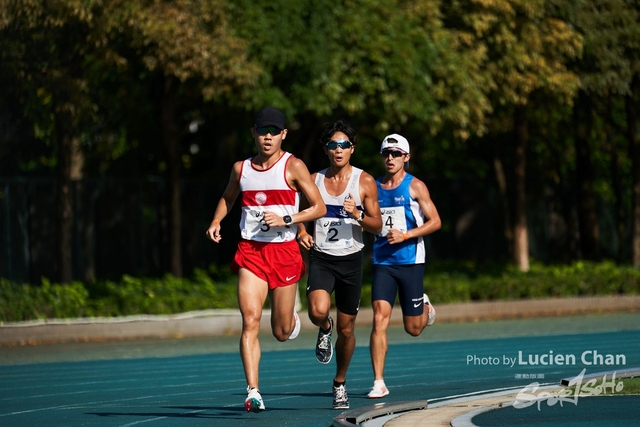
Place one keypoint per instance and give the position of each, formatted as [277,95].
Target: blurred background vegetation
[120,120]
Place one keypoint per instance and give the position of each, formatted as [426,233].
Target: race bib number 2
[333,233]
[393,218]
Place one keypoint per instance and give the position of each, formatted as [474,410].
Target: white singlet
[337,233]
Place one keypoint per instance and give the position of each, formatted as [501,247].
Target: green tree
[389,63]
[630,41]
[190,51]
[526,48]
[45,54]
[610,29]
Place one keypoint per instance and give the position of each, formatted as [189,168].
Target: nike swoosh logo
[417,305]
[289,278]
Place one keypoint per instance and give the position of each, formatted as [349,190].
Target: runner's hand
[273,220]
[306,241]
[350,206]
[213,232]
[395,236]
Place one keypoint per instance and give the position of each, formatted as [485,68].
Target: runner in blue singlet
[408,214]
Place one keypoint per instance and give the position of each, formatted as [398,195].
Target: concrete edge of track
[358,416]
[228,322]
[456,411]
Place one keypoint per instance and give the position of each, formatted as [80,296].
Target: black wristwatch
[361,217]
[287,219]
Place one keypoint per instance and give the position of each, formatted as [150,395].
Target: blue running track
[200,382]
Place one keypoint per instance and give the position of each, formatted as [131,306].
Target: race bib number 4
[393,218]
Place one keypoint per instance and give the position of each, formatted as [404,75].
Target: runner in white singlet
[335,258]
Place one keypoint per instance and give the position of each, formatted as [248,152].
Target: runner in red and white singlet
[267,190]
[268,260]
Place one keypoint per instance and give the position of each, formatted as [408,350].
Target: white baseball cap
[395,142]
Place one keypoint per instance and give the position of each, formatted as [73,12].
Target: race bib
[257,228]
[334,233]
[393,217]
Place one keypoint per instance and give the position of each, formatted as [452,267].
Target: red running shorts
[278,264]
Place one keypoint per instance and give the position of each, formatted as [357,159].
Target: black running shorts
[342,274]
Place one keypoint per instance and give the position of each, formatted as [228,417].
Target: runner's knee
[251,320]
[345,330]
[281,331]
[413,329]
[317,314]
[380,321]
[280,334]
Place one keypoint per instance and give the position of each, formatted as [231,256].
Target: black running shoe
[324,350]
[340,398]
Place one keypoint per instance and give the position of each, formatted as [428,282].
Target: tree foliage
[122,85]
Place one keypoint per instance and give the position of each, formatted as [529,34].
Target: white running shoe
[432,311]
[253,402]
[379,390]
[296,329]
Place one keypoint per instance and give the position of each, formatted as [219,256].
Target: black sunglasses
[394,153]
[344,144]
[273,130]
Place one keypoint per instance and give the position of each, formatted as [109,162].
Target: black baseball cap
[269,116]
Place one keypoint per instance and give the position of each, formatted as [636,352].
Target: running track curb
[455,411]
[225,322]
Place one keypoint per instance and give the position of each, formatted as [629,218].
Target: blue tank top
[402,212]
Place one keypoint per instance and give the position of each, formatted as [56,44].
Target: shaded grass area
[451,282]
[605,386]
[631,386]
[215,288]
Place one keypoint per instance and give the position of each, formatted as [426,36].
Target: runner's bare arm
[305,239]
[419,191]
[369,196]
[301,178]
[226,202]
